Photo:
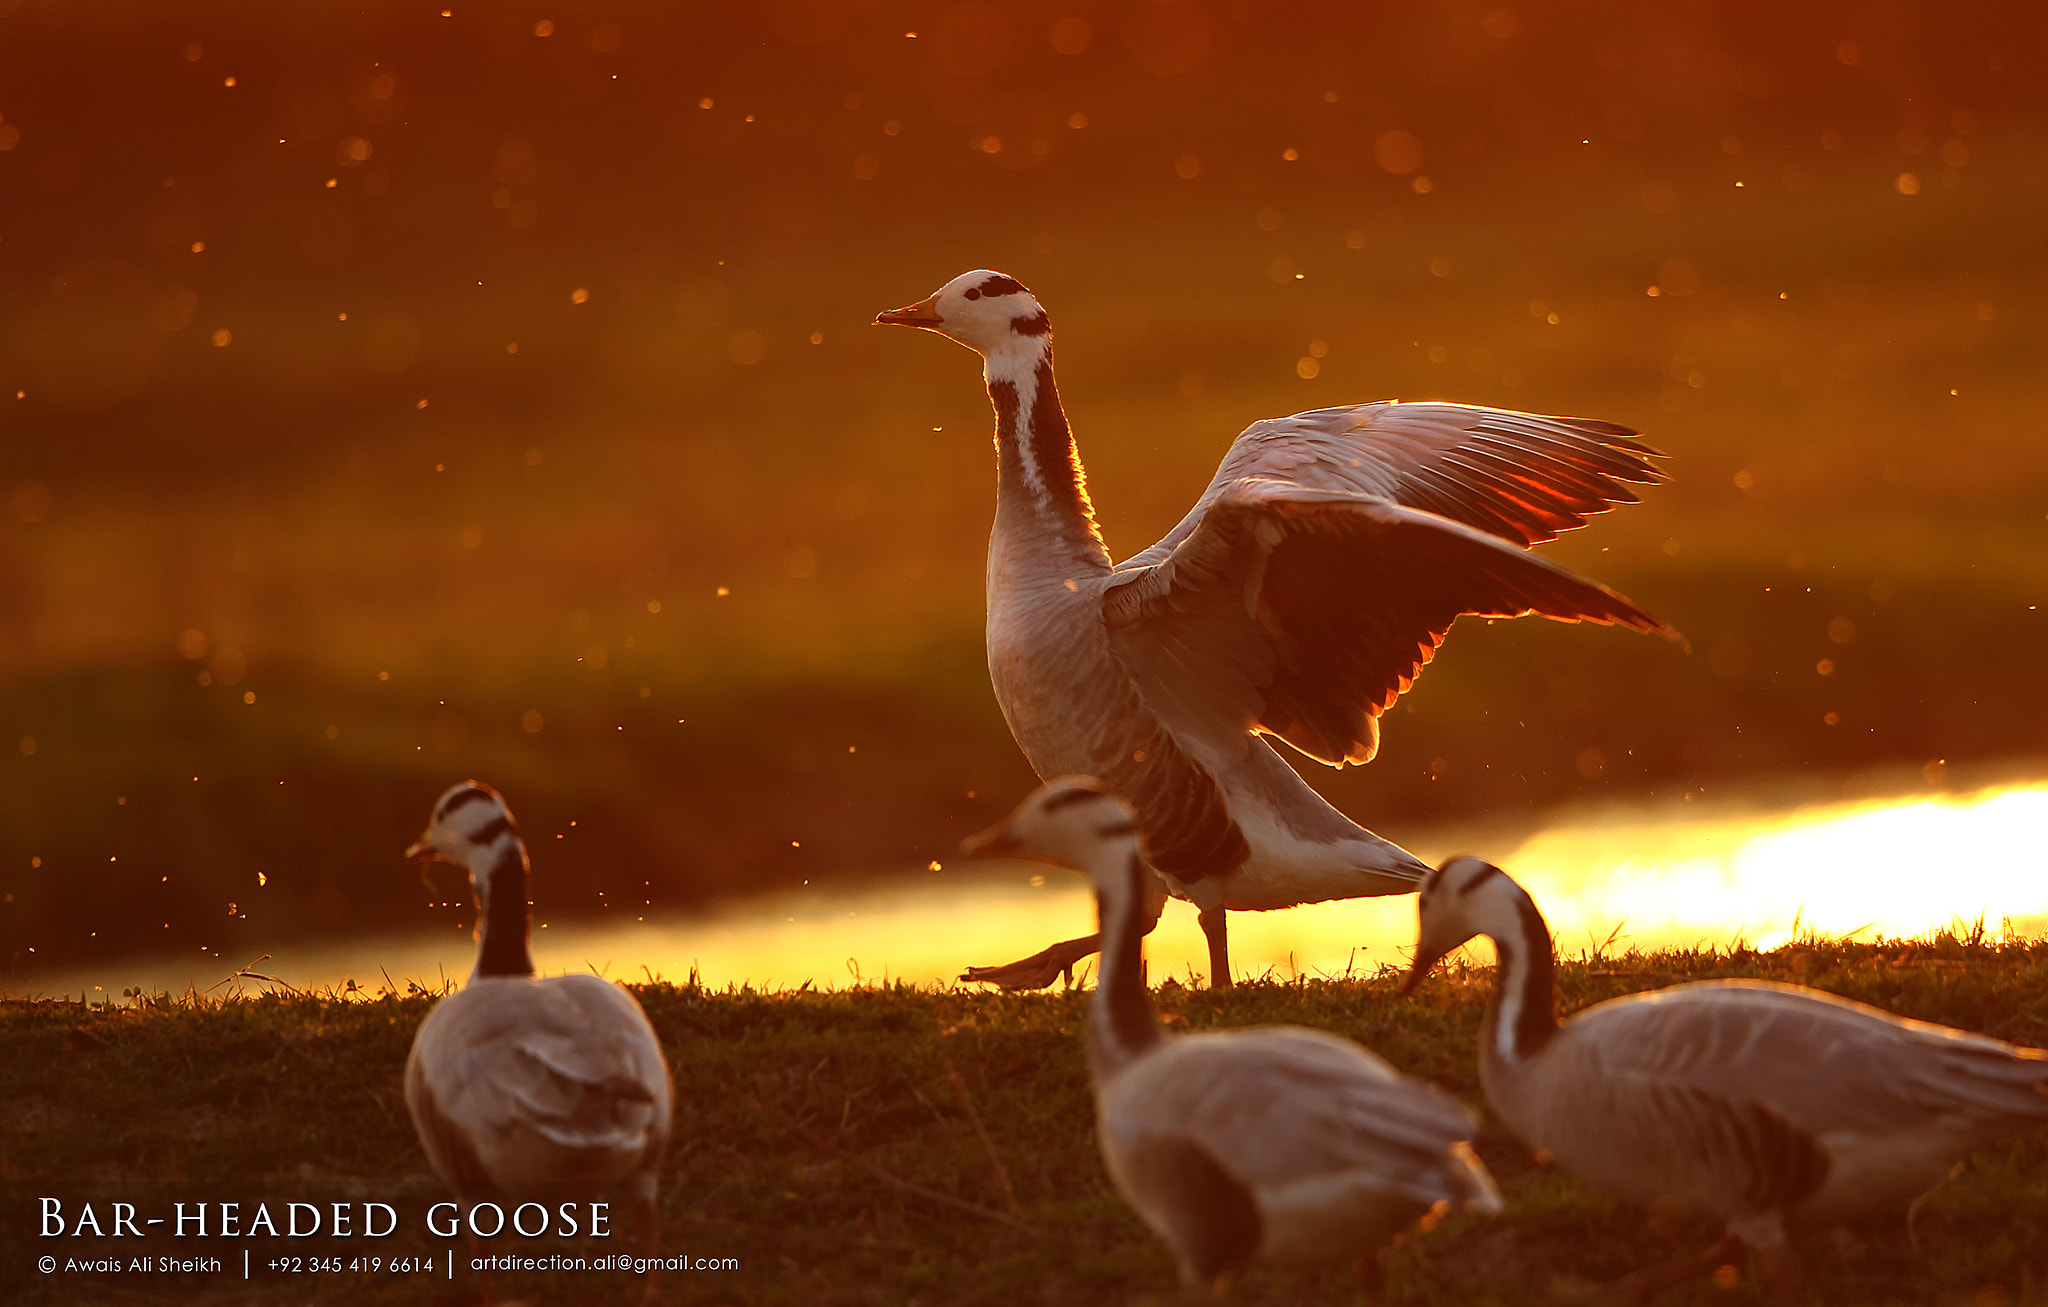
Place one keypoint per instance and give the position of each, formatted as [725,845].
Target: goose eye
[973,294]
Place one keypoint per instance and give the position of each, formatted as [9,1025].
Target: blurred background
[392,393]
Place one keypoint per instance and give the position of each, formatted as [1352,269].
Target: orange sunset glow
[393,395]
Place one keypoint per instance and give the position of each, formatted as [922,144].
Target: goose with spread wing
[1305,591]
[1743,1100]
[1275,1144]
[523,1085]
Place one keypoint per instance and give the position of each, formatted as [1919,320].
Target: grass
[903,1145]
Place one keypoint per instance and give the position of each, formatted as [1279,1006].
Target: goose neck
[1523,1016]
[1123,1025]
[1040,485]
[503,921]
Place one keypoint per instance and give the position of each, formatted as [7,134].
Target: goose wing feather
[1304,611]
[1822,1062]
[1281,1106]
[1522,476]
[448,1150]
[571,1058]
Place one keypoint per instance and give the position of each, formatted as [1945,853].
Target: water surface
[1648,876]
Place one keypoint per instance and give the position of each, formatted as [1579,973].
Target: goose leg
[1040,969]
[1218,933]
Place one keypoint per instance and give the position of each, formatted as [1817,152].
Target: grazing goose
[518,1084]
[1747,1101]
[1274,1144]
[1299,598]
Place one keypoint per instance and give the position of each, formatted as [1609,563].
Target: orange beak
[921,314]
[998,841]
[1418,969]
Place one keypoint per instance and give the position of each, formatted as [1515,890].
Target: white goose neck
[504,923]
[1040,488]
[1122,1024]
[1523,1015]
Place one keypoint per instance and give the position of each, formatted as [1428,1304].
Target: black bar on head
[1067,798]
[1480,879]
[467,794]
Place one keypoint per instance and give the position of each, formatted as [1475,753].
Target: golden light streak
[1667,874]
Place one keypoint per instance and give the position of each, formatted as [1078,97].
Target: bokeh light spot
[1072,36]
[1398,152]
[746,347]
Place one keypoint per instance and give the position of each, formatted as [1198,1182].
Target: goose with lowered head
[1273,1144]
[1745,1101]
[1299,597]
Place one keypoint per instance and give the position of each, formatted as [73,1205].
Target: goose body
[523,1084]
[1749,1101]
[1302,594]
[1269,1145]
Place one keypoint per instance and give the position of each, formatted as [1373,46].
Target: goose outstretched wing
[1521,476]
[1311,585]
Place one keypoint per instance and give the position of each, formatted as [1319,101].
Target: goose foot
[1040,969]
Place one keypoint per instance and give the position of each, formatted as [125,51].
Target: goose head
[1465,897]
[470,827]
[988,312]
[1068,822]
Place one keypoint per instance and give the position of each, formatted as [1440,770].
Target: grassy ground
[892,1145]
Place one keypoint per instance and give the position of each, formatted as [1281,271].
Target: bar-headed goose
[1298,599]
[1273,1144]
[521,1084]
[1749,1102]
